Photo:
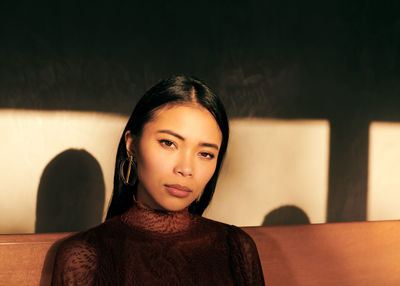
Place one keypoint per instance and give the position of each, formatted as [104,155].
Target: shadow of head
[286,215]
[71,193]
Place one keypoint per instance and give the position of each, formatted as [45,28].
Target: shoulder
[76,261]
[91,238]
[77,258]
[241,240]
[234,234]
[76,251]
[213,225]
[245,260]
[84,245]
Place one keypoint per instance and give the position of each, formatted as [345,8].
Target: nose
[184,165]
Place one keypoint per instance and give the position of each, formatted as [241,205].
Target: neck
[159,221]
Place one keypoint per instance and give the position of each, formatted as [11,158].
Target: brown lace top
[151,247]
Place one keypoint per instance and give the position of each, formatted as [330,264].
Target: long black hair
[172,91]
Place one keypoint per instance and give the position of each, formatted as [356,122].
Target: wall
[263,169]
[335,62]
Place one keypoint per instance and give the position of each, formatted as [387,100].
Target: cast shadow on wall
[286,215]
[71,193]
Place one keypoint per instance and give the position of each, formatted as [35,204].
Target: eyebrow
[215,146]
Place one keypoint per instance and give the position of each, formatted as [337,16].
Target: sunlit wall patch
[30,140]
[273,163]
[384,171]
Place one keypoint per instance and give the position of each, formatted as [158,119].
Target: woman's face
[176,156]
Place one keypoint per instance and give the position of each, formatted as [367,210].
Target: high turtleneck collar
[157,221]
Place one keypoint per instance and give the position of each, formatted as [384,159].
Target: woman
[167,165]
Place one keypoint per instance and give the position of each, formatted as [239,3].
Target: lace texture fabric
[150,247]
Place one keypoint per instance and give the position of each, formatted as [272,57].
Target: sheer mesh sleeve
[76,263]
[245,262]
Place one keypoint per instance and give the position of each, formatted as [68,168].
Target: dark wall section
[71,193]
[335,60]
[286,215]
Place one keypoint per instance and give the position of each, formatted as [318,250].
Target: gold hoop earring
[129,179]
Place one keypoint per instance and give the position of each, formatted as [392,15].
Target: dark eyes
[171,145]
[166,143]
[207,155]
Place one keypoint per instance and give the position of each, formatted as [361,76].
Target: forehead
[191,121]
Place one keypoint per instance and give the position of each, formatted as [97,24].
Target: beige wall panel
[384,171]
[272,163]
[31,139]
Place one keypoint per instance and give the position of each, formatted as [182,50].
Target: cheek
[205,174]
[152,164]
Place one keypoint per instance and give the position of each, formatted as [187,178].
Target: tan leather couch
[346,254]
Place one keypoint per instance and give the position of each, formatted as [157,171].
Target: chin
[175,205]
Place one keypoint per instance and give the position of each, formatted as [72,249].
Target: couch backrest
[27,259]
[345,254]
[359,253]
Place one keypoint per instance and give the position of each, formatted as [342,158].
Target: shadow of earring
[127,171]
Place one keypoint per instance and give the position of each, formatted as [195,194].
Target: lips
[178,190]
